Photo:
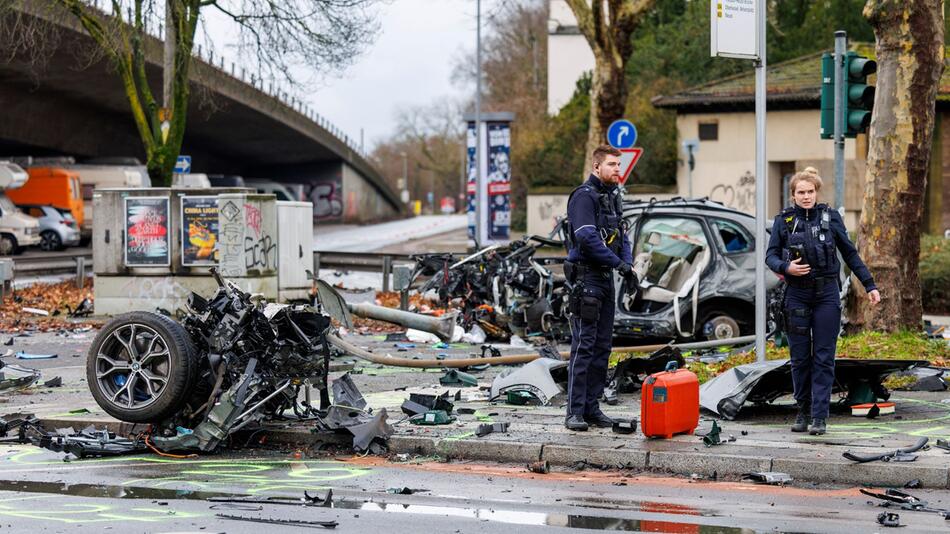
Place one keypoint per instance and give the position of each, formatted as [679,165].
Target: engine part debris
[899,455]
[489,351]
[521,398]
[625,426]
[418,403]
[232,361]
[485,429]
[628,375]
[905,501]
[17,377]
[454,377]
[274,521]
[54,382]
[714,436]
[405,491]
[541,466]
[913,484]
[768,477]
[889,519]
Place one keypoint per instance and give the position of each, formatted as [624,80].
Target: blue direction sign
[183,165]
[622,134]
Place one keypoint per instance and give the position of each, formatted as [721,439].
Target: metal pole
[481,190]
[387,270]
[761,184]
[841,45]
[405,171]
[168,73]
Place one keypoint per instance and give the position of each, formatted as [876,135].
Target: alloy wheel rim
[133,366]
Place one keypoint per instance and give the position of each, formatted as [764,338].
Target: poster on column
[499,180]
[470,185]
[146,232]
[199,231]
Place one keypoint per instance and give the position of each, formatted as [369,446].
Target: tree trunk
[910,57]
[607,102]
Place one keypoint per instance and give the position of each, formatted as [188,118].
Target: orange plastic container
[669,403]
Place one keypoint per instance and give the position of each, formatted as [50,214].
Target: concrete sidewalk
[763,441]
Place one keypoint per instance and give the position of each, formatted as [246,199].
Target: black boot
[803,419]
[817,427]
[575,422]
[599,419]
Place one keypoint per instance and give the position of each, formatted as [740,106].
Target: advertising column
[496,173]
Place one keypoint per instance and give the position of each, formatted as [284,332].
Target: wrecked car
[228,362]
[505,289]
[696,259]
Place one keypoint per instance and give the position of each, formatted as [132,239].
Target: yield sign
[628,160]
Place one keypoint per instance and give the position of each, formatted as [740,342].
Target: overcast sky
[409,64]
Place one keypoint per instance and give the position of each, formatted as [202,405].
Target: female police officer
[802,248]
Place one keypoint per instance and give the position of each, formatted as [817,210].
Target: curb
[667,462]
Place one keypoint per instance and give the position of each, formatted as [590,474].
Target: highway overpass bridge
[66,104]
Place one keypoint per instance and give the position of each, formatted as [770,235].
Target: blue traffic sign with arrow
[622,134]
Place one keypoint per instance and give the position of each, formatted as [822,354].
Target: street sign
[183,165]
[622,134]
[628,160]
[734,28]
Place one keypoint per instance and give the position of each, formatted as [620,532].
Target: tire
[8,245]
[718,324]
[120,384]
[50,241]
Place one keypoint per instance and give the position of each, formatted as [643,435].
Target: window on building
[708,131]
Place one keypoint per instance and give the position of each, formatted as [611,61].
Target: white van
[269,186]
[17,230]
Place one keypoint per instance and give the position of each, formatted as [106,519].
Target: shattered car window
[669,242]
[734,239]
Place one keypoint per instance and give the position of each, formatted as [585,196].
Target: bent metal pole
[508,359]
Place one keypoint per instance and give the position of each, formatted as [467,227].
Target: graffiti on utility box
[247,241]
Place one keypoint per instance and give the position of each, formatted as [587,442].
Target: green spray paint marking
[85,513]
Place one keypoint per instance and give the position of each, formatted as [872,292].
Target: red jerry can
[669,403]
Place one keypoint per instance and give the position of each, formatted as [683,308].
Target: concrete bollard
[80,272]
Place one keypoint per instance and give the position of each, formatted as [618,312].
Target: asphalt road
[39,492]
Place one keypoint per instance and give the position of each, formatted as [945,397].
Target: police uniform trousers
[813,316]
[591,342]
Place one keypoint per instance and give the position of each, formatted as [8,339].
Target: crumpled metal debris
[540,377]
[893,498]
[418,403]
[252,361]
[276,521]
[763,382]
[17,377]
[714,436]
[629,373]
[454,377]
[534,299]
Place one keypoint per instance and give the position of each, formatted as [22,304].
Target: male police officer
[598,245]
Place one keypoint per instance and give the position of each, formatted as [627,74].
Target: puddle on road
[109,492]
[519,517]
[516,517]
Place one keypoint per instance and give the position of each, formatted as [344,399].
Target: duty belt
[808,283]
[581,269]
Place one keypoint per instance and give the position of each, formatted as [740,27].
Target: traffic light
[827,96]
[859,96]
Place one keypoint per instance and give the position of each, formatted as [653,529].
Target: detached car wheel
[718,324]
[141,367]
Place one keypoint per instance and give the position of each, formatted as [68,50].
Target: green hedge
[935,274]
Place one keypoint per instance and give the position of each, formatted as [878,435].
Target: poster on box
[470,182]
[146,232]
[199,231]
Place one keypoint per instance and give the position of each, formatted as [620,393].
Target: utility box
[153,247]
[294,250]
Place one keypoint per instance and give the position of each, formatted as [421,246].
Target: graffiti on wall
[739,195]
[231,240]
[327,199]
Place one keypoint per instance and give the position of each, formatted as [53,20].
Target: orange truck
[51,186]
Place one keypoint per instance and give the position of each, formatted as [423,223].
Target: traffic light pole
[841,46]
[761,186]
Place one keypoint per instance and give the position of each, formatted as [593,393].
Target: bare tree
[608,27]
[910,56]
[279,40]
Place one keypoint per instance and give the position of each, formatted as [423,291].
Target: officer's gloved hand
[625,270]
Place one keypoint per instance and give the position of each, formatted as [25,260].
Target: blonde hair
[808,174]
